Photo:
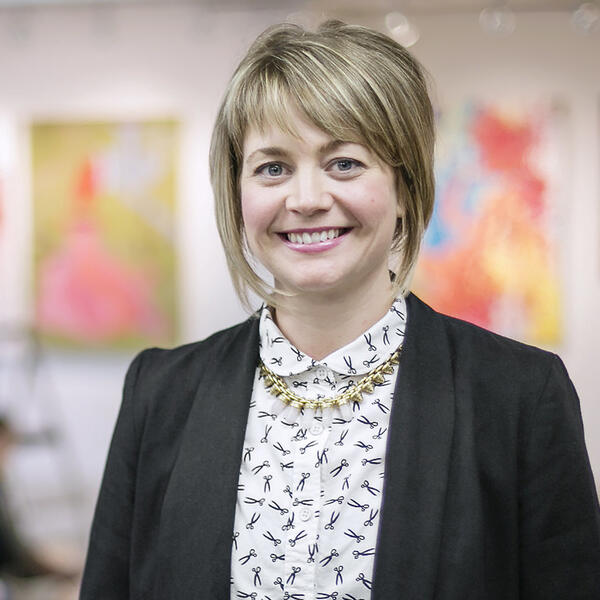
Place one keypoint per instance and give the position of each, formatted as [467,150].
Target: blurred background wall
[132,61]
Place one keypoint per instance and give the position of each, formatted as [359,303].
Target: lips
[313,237]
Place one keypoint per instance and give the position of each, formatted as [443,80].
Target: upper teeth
[314,237]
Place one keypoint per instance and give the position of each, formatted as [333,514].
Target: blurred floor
[43,588]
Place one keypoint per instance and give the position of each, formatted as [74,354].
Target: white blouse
[310,485]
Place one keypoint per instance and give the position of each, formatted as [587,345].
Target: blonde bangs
[323,88]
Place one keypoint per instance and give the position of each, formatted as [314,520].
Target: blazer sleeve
[558,505]
[106,573]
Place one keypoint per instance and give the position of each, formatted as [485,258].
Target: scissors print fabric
[311,518]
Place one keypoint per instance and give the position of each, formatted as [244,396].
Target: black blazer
[488,491]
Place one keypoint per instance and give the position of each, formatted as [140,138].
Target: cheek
[381,208]
[257,216]
[251,213]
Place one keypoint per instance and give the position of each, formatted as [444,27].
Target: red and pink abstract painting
[490,255]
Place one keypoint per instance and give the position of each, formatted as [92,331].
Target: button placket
[321,372]
[316,428]
[305,503]
[326,378]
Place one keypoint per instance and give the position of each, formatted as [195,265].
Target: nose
[307,194]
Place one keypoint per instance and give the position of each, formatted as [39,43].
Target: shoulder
[511,390]
[490,346]
[483,355]
[159,376]
[161,361]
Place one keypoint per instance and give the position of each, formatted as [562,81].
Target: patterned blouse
[310,486]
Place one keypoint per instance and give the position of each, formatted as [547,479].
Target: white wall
[175,61]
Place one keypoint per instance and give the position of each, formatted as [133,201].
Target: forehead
[298,134]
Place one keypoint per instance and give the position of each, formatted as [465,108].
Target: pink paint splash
[86,293]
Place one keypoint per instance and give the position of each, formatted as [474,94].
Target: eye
[270,170]
[344,165]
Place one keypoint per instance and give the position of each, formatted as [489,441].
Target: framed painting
[104,199]
[491,254]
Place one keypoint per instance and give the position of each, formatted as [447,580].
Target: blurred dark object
[16,557]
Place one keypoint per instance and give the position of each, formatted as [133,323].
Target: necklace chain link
[277,386]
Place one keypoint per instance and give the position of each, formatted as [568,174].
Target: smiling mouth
[313,237]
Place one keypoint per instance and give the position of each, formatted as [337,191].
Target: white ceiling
[455,6]
[408,6]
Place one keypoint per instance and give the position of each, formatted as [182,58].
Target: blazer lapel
[417,462]
[199,507]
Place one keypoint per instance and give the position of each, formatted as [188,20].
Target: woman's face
[319,213]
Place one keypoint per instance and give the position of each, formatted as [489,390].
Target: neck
[318,325]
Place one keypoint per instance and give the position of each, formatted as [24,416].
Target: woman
[346,441]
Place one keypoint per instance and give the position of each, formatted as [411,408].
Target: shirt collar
[360,356]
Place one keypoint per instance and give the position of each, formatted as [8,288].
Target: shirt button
[321,372]
[316,428]
[305,514]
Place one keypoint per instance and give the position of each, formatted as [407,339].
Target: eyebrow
[277,151]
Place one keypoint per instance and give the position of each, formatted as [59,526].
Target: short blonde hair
[356,85]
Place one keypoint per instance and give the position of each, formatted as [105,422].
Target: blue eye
[345,164]
[271,170]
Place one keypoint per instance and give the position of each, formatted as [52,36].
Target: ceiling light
[401,29]
[586,19]
[497,20]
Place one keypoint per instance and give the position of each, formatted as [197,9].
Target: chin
[316,285]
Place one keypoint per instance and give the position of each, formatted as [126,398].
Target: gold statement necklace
[277,386]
